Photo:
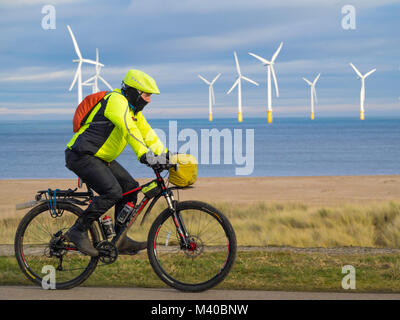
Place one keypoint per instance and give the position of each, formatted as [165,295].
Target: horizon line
[233,118]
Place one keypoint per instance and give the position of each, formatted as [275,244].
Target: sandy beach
[329,190]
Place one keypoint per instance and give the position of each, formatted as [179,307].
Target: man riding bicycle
[113,123]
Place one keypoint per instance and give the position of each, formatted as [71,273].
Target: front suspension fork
[177,218]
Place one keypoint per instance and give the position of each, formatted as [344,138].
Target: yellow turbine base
[362,115]
[240,117]
[210,117]
[312,116]
[269,116]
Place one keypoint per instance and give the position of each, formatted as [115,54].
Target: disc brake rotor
[195,247]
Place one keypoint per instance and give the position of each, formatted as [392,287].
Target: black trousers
[108,180]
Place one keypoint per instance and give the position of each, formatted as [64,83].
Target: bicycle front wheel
[40,247]
[210,256]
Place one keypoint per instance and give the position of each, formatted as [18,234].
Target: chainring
[108,252]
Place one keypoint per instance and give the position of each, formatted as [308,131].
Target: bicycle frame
[73,196]
[169,197]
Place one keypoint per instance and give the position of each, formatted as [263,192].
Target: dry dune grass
[299,225]
[291,211]
[291,224]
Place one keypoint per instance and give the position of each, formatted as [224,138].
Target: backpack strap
[103,101]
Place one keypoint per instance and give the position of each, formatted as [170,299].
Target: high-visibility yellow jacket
[112,125]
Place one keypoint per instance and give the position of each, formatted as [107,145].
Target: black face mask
[135,99]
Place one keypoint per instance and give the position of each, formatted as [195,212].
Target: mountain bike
[191,245]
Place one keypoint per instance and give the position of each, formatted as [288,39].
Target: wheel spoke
[204,263]
[38,247]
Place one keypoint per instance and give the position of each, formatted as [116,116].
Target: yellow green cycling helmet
[141,81]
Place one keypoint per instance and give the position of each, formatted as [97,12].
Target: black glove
[159,162]
[169,154]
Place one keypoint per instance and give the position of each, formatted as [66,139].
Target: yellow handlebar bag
[187,170]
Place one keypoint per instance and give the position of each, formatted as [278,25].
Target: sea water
[287,147]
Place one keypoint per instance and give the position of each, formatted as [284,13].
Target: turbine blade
[362,95]
[97,61]
[249,80]
[237,63]
[78,52]
[106,83]
[369,73]
[212,95]
[88,80]
[92,62]
[356,70]
[275,81]
[264,61]
[315,94]
[215,79]
[78,70]
[234,85]
[309,82]
[276,52]
[206,81]
[316,79]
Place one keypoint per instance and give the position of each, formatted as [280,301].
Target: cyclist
[113,123]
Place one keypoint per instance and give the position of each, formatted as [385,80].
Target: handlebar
[161,167]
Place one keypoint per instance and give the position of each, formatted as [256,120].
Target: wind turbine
[93,81]
[211,96]
[362,94]
[313,93]
[270,69]
[239,84]
[80,60]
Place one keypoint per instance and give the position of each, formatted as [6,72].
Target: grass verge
[257,270]
[289,224]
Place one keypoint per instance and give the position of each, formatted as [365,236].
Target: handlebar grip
[166,166]
[173,165]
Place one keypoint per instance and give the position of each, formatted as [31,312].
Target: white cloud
[17,105]
[37,111]
[35,74]
[244,37]
[25,3]
[180,73]
[211,6]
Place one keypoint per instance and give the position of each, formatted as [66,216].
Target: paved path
[86,293]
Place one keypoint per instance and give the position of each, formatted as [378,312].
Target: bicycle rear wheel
[39,247]
[212,247]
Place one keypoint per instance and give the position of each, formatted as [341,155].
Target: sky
[176,40]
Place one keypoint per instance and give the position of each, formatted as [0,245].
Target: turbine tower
[239,84]
[270,69]
[362,94]
[313,93]
[211,97]
[93,81]
[80,60]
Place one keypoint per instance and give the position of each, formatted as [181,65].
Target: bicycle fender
[29,204]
